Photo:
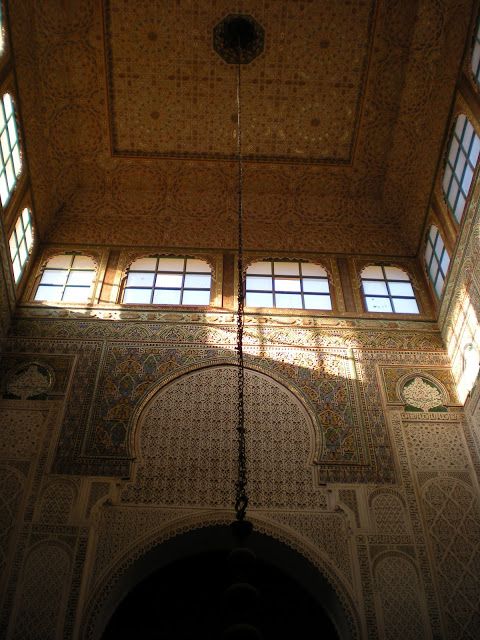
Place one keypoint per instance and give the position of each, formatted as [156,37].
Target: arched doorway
[175,591]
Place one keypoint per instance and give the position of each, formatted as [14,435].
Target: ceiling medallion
[238,39]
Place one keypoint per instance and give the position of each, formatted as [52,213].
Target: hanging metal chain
[241,498]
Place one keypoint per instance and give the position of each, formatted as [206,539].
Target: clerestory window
[168,280]
[21,243]
[10,160]
[287,285]
[437,259]
[68,277]
[388,290]
[461,162]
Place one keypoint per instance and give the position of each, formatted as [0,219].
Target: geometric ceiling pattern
[129,121]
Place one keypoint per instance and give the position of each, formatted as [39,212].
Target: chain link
[241,498]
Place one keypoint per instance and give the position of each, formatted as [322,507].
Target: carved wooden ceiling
[129,120]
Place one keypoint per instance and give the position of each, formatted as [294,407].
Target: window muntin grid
[67,277]
[388,290]
[287,285]
[10,160]
[476,55]
[168,280]
[462,159]
[21,243]
[437,260]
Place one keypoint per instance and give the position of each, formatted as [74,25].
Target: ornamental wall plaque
[31,380]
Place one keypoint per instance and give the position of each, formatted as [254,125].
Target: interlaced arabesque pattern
[44,583]
[434,445]
[453,517]
[389,514]
[397,584]
[188,443]
[56,503]
[21,431]
[10,496]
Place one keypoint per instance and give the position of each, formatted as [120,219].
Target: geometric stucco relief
[186,444]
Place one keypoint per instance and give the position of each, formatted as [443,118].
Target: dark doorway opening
[184,600]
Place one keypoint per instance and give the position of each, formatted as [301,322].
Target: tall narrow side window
[21,243]
[388,290]
[68,278]
[461,162]
[10,161]
[168,280]
[287,285]
[437,259]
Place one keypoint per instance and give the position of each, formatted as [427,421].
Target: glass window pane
[372,287]
[61,261]
[452,156]
[173,280]
[372,272]
[434,268]
[282,284]
[428,253]
[4,144]
[144,264]
[76,294]
[171,264]
[259,299]
[23,252]
[12,132]
[7,103]
[259,283]
[137,296]
[17,269]
[445,262]
[29,236]
[318,302]
[83,262]
[378,304]
[3,189]
[166,296]
[315,285]
[140,279]
[17,160]
[309,269]
[260,268]
[401,289]
[288,301]
[403,305]
[394,273]
[439,285]
[196,297]
[48,293]
[10,174]
[439,245]
[460,164]
[446,178]
[433,233]
[460,207]
[452,195]
[286,268]
[198,265]
[467,180]
[80,278]
[26,217]
[475,150]
[194,281]
[54,276]
[13,245]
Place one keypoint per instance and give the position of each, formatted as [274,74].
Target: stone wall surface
[119,434]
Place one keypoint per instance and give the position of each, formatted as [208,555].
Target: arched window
[388,290]
[67,277]
[10,161]
[287,285]
[461,162]
[437,259]
[21,243]
[476,55]
[168,280]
